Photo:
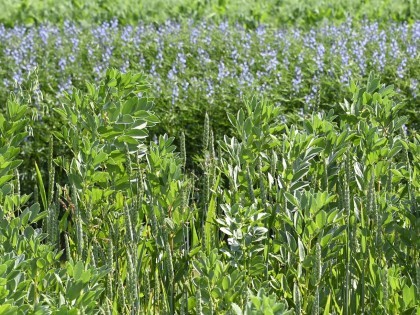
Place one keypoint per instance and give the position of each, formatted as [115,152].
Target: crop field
[210,157]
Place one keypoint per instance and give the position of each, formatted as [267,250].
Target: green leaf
[39,216]
[76,180]
[78,270]
[41,187]
[129,106]
[210,229]
[3,268]
[226,231]
[108,132]
[388,90]
[236,309]
[128,139]
[325,240]
[321,219]
[140,126]
[299,174]
[34,210]
[397,148]
[327,305]
[8,309]
[298,185]
[99,158]
[90,88]
[112,83]
[292,199]
[6,189]
[85,277]
[100,177]
[41,263]
[5,179]
[408,295]
[24,217]
[73,290]
[137,133]
[301,250]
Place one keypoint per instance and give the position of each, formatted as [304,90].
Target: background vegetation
[250,13]
[199,67]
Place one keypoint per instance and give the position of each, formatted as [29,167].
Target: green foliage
[250,12]
[319,216]
[212,68]
[263,305]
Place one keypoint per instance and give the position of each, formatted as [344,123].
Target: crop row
[203,67]
[250,13]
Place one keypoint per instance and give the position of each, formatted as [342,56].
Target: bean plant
[317,216]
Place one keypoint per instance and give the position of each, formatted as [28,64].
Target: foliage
[31,279]
[316,216]
[248,12]
[196,67]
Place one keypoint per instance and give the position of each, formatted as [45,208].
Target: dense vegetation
[210,164]
[250,13]
[196,68]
